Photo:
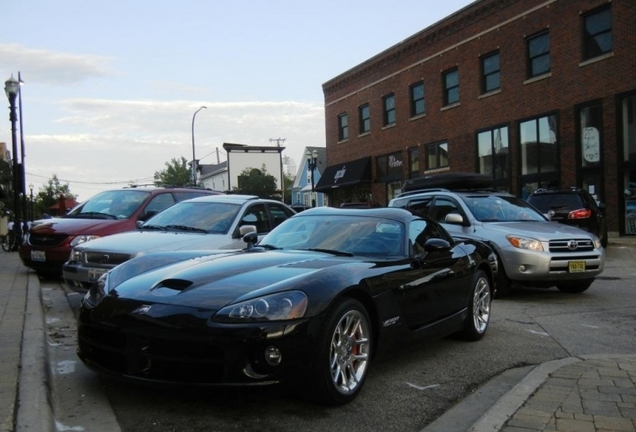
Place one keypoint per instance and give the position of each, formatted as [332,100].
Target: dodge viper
[311,304]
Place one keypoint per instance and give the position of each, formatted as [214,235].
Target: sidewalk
[592,393]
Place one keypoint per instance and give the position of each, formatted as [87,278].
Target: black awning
[345,174]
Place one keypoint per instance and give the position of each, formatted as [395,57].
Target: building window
[597,33]
[538,154]
[414,162]
[538,55]
[451,87]
[628,130]
[491,74]
[418,106]
[436,155]
[389,109]
[590,133]
[364,113]
[492,152]
[343,127]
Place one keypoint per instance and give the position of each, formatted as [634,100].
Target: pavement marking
[422,387]
[590,326]
[538,333]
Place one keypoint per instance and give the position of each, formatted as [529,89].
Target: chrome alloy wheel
[349,352]
[481,305]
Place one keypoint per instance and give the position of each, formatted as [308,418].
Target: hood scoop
[173,285]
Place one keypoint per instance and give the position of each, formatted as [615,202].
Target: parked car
[572,206]
[532,250]
[310,305]
[211,222]
[50,240]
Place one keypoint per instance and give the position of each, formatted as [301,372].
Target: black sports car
[311,304]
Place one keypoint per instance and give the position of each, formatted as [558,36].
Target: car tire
[344,354]
[575,287]
[478,317]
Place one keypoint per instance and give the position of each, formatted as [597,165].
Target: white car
[206,223]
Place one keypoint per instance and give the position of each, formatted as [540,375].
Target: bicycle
[9,242]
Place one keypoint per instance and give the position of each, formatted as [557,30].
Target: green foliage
[176,173]
[254,181]
[49,195]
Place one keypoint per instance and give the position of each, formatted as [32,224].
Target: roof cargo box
[450,181]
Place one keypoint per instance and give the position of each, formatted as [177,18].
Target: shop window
[492,152]
[414,162]
[437,155]
[538,154]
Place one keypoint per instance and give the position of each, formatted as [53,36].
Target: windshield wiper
[331,251]
[91,215]
[153,227]
[186,228]
[268,247]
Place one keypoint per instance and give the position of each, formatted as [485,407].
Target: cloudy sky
[110,86]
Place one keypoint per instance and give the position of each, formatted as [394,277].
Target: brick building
[536,93]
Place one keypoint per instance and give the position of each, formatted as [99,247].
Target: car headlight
[597,243]
[97,291]
[525,243]
[83,239]
[275,307]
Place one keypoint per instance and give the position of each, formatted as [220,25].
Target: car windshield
[193,216]
[339,235]
[556,201]
[496,208]
[119,204]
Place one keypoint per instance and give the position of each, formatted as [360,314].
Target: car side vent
[174,284]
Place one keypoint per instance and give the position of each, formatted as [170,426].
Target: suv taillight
[580,214]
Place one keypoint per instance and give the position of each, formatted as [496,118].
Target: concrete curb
[34,411]
[494,419]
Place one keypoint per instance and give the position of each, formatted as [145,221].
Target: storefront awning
[345,174]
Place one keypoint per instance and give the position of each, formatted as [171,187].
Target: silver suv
[211,222]
[532,250]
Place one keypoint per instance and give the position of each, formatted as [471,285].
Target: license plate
[94,274]
[576,266]
[38,256]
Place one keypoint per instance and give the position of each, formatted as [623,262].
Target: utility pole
[282,175]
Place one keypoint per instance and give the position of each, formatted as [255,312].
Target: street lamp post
[312,162]
[11,88]
[31,199]
[194,159]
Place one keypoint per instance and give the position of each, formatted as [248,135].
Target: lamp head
[11,88]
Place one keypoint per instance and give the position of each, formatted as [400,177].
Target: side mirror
[250,238]
[436,245]
[455,219]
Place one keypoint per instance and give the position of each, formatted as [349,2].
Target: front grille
[152,357]
[106,258]
[571,245]
[47,239]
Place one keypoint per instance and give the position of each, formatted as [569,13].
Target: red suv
[50,241]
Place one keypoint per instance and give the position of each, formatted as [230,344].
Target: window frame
[388,112]
[343,126]
[587,38]
[485,75]
[365,121]
[437,155]
[450,88]
[415,101]
[530,58]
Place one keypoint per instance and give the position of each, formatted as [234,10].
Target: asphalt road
[404,392]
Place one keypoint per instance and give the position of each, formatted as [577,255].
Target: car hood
[212,282]
[73,227]
[544,231]
[135,242]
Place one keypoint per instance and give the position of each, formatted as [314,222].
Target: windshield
[119,204]
[209,217]
[352,235]
[493,208]
[555,201]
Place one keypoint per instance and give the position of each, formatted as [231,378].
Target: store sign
[591,144]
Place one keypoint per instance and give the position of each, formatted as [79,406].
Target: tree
[177,173]
[288,180]
[253,181]
[6,187]
[49,195]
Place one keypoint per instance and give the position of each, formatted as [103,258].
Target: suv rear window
[557,201]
